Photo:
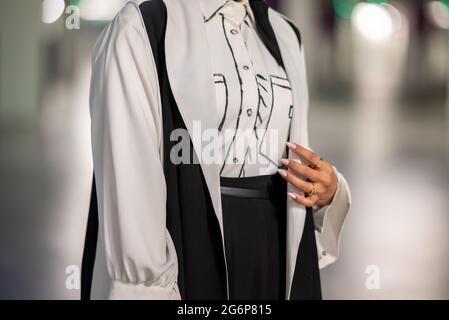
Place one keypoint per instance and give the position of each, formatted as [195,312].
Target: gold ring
[317,166]
[314,190]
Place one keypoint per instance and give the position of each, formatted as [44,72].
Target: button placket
[249,81]
[250,97]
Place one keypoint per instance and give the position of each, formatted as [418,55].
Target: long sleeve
[329,222]
[127,153]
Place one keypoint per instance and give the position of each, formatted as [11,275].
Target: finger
[327,167]
[295,181]
[303,170]
[304,153]
[307,202]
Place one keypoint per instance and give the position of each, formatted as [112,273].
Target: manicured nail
[283,173]
[292,195]
[291,145]
[285,162]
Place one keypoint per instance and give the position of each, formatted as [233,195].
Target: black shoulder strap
[266,32]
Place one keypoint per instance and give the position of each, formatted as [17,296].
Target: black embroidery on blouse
[242,173]
[241,92]
[222,80]
[214,13]
[280,82]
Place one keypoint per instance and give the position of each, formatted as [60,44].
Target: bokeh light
[438,12]
[100,10]
[52,10]
[373,21]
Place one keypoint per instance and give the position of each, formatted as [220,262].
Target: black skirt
[254,219]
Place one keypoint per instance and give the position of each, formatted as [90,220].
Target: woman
[195,106]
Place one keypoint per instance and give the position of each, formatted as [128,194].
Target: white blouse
[253,93]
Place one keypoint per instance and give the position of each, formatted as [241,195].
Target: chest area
[253,99]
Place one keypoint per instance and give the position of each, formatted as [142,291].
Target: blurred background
[379,83]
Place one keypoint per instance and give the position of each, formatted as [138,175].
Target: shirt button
[249,112]
[234,31]
[235,160]
[245,68]
[324,253]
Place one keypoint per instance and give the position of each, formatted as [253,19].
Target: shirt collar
[211,7]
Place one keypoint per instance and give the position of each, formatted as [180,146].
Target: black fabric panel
[154,15]
[191,219]
[203,263]
[306,283]
[90,246]
[266,32]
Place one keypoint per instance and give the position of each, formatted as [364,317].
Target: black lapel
[266,32]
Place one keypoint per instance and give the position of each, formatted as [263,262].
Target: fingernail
[282,173]
[285,162]
[292,195]
[291,145]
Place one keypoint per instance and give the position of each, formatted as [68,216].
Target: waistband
[259,187]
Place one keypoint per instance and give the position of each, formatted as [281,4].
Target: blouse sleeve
[329,222]
[127,153]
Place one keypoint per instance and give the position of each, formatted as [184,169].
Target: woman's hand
[317,180]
